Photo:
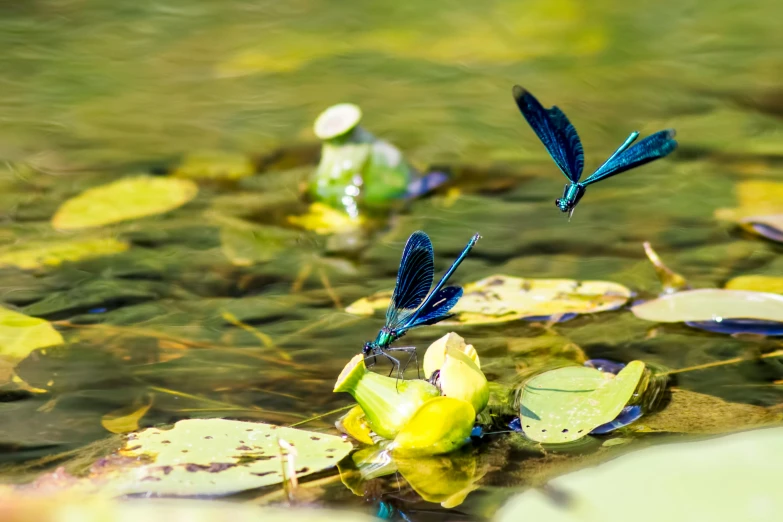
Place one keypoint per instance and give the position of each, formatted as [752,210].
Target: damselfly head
[368,348]
[563,205]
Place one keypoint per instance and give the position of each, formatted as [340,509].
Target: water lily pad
[628,415]
[53,253]
[501,298]
[566,404]
[731,478]
[711,305]
[770,227]
[740,326]
[21,334]
[754,198]
[219,456]
[756,283]
[128,198]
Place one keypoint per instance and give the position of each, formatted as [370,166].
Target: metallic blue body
[564,146]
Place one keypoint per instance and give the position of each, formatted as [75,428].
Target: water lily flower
[388,403]
[435,355]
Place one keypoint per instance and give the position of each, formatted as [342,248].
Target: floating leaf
[754,198]
[126,419]
[53,253]
[566,404]
[740,326]
[21,334]
[731,478]
[501,298]
[219,456]
[128,198]
[215,165]
[323,219]
[712,305]
[440,425]
[770,227]
[756,283]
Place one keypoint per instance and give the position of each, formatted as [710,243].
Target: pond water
[95,90]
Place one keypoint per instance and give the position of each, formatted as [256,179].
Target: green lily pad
[21,334]
[736,477]
[53,253]
[711,304]
[566,404]
[128,198]
[219,456]
[502,298]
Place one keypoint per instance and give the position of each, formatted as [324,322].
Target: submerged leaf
[126,419]
[670,280]
[246,243]
[712,305]
[219,456]
[215,165]
[566,404]
[21,334]
[128,198]
[697,413]
[323,219]
[53,253]
[501,298]
[730,478]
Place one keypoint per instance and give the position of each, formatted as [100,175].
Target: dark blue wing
[414,278]
[436,308]
[555,132]
[649,149]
